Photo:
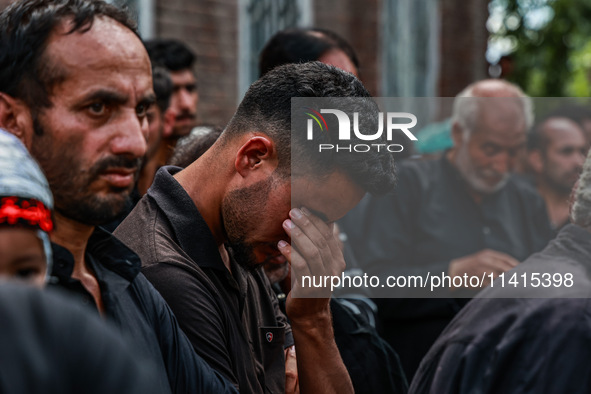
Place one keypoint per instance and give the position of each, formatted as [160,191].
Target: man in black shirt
[461,214]
[75,87]
[530,332]
[556,151]
[239,194]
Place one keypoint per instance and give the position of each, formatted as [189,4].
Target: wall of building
[211,29]
[463,44]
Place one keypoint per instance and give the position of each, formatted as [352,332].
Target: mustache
[186,115]
[131,163]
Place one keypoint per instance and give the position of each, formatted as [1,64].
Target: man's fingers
[299,267]
[509,260]
[313,239]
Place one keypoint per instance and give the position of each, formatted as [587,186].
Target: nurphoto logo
[395,122]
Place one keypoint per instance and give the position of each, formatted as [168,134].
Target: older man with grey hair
[531,336]
[460,215]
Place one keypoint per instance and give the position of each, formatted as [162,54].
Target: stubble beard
[71,184]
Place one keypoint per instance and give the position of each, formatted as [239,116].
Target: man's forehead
[328,197]
[106,39]
[565,136]
[502,138]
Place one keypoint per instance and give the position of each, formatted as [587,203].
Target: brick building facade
[406,47]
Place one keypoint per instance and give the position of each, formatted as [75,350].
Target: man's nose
[130,136]
[186,100]
[503,163]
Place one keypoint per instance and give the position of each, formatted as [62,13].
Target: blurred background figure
[179,60]
[192,146]
[524,338]
[161,119]
[306,45]
[461,214]
[557,148]
[580,114]
[25,214]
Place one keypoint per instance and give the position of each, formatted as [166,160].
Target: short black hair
[300,46]
[267,108]
[538,139]
[170,53]
[25,27]
[163,87]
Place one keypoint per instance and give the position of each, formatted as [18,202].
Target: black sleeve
[187,370]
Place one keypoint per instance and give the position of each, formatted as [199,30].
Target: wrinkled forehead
[107,43]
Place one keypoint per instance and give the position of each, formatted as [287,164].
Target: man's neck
[73,236]
[208,200]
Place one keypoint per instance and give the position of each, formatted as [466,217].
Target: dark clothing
[233,320]
[521,345]
[429,220]
[372,364]
[133,304]
[134,197]
[51,345]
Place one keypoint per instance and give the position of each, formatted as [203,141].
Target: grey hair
[465,111]
[581,209]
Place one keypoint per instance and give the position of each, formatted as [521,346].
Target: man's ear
[535,161]
[257,153]
[168,119]
[15,117]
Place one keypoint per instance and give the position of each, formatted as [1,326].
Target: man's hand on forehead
[314,252]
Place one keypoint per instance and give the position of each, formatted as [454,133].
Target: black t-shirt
[538,344]
[51,345]
[232,319]
[142,315]
[427,221]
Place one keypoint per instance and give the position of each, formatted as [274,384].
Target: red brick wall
[463,44]
[210,28]
[357,22]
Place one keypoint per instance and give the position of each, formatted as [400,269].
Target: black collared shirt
[427,221]
[139,311]
[521,345]
[51,345]
[233,320]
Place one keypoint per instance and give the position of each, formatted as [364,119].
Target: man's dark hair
[193,146]
[25,27]
[537,138]
[170,53]
[163,87]
[267,108]
[300,46]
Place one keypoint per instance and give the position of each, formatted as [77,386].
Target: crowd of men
[138,276]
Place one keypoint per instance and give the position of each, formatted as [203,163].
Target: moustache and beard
[239,213]
[72,184]
[475,177]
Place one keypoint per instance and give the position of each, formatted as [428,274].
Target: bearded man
[461,214]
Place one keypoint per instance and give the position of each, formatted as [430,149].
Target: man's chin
[488,186]
[95,211]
